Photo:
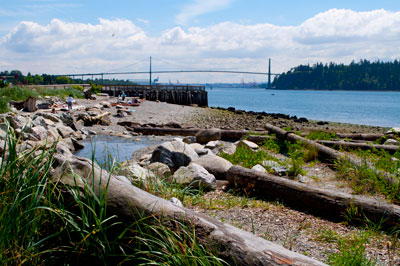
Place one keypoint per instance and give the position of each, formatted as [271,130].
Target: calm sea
[357,107]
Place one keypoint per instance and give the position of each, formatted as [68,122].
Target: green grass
[321,135]
[351,252]
[364,179]
[21,94]
[44,222]
[246,157]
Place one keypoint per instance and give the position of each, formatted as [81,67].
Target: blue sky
[58,36]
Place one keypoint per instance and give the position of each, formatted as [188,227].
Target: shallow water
[105,148]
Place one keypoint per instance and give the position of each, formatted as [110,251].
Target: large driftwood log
[363,146]
[321,202]
[225,134]
[123,199]
[326,153]
[361,136]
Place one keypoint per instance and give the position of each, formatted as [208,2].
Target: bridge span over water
[151,71]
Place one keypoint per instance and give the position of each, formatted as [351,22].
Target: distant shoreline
[332,90]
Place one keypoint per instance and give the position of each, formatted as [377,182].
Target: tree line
[17,78]
[363,75]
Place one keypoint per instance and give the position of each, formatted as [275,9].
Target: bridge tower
[150,73]
[269,74]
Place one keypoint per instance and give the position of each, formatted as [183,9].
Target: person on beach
[123,96]
[70,100]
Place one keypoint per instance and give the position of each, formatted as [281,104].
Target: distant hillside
[364,75]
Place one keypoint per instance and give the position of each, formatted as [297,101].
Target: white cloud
[200,7]
[335,35]
[144,21]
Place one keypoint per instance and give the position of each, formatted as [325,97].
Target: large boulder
[105,120]
[207,135]
[69,120]
[174,153]
[39,132]
[194,175]
[64,131]
[138,175]
[214,164]
[48,116]
[221,146]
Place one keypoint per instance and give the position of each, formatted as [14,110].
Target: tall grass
[43,222]
[21,94]
[364,179]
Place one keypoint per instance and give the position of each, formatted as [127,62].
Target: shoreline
[161,113]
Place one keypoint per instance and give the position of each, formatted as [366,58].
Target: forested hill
[364,75]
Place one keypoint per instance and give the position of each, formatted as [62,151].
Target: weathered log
[326,153]
[363,146]
[123,199]
[361,136]
[225,134]
[321,202]
[323,151]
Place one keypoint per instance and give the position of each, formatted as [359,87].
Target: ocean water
[357,107]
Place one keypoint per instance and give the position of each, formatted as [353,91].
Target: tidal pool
[107,148]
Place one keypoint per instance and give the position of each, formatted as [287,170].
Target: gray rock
[248,144]
[3,131]
[392,142]
[176,201]
[190,140]
[77,144]
[39,132]
[259,168]
[394,130]
[52,117]
[65,131]
[174,154]
[196,146]
[221,146]
[68,143]
[207,135]
[275,168]
[17,121]
[212,144]
[105,104]
[138,175]
[214,164]
[304,179]
[195,176]
[69,120]
[105,120]
[202,152]
[159,169]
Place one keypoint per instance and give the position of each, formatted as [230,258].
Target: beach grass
[44,222]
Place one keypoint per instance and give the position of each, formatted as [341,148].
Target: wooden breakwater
[176,94]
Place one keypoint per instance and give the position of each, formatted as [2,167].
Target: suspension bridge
[150,72]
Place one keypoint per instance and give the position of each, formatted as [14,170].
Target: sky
[66,37]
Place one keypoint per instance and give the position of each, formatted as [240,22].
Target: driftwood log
[364,146]
[326,153]
[321,202]
[123,199]
[225,134]
[363,136]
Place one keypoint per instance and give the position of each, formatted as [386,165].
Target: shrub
[96,88]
